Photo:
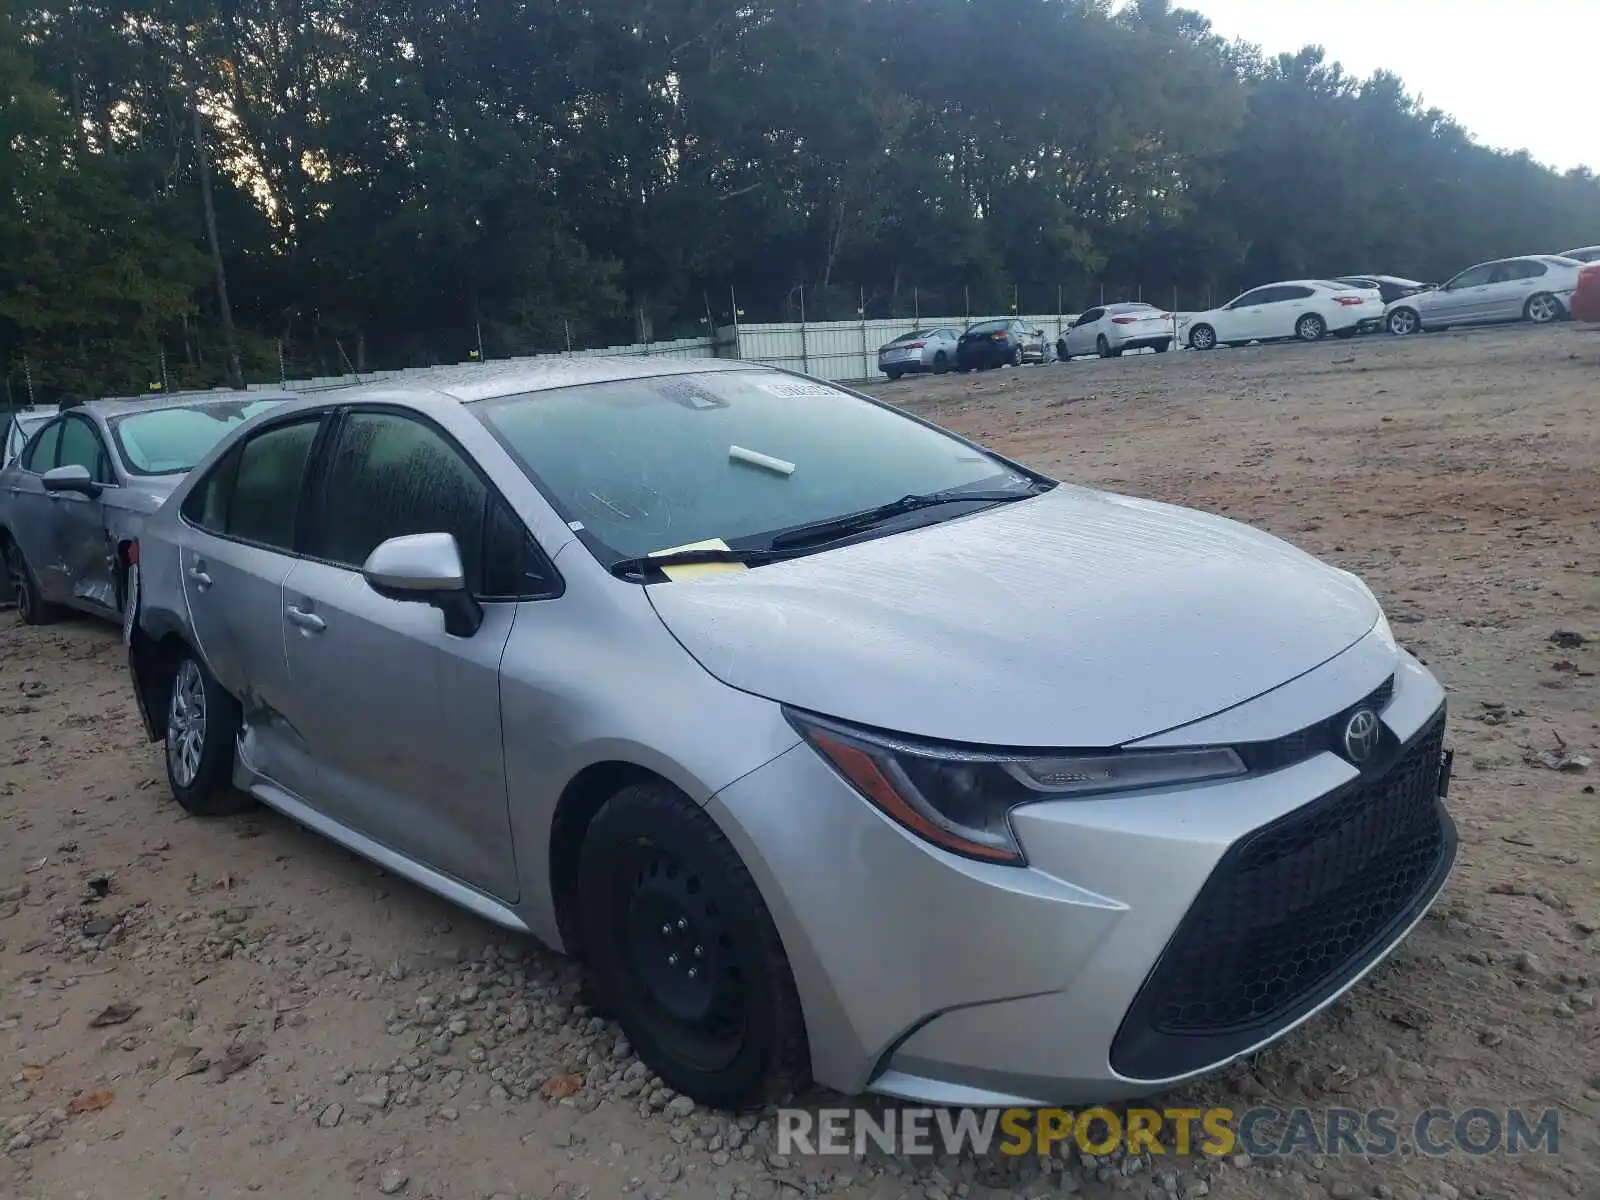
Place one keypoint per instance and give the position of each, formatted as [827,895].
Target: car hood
[146,493]
[1076,618]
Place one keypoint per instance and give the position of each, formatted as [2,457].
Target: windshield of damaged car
[638,466]
[169,441]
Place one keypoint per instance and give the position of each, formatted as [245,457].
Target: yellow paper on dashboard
[696,570]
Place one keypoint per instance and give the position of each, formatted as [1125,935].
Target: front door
[83,552]
[33,513]
[1464,299]
[1081,337]
[403,718]
[238,547]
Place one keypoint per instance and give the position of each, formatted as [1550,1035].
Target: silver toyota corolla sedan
[72,502]
[834,743]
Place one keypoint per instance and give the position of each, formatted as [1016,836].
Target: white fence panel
[846,350]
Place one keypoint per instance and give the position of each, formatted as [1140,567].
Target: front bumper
[1118,962]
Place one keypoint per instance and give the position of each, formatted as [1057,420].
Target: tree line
[190,186]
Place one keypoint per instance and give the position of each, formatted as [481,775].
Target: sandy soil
[295,1023]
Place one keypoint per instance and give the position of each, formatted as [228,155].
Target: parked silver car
[1535,287]
[72,503]
[1583,254]
[832,741]
[920,350]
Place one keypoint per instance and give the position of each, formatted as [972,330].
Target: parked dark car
[1003,342]
[1392,286]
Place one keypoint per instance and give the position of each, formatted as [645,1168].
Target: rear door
[1513,283]
[238,544]
[403,718]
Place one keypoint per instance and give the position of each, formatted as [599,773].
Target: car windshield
[169,441]
[643,465]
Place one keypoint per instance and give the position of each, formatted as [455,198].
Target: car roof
[116,406]
[1126,305]
[1580,250]
[486,381]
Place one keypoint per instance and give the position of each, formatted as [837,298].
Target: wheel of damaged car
[31,608]
[682,950]
[202,725]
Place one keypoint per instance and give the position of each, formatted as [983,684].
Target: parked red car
[1586,300]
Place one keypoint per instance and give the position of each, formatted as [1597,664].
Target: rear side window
[253,493]
[40,455]
[1293,293]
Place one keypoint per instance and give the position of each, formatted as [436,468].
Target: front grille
[1291,912]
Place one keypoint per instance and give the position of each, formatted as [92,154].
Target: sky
[1516,74]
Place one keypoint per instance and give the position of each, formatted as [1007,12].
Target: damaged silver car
[72,502]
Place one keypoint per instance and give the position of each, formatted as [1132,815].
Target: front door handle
[201,579]
[308,622]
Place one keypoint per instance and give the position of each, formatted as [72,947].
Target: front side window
[253,493]
[1250,299]
[171,440]
[1471,277]
[392,475]
[641,465]
[81,447]
[40,456]
[1090,317]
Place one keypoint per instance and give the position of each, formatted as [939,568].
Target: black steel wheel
[683,951]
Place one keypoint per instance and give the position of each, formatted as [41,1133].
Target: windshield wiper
[837,527]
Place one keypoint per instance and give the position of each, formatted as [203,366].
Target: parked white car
[1308,309]
[1113,328]
[1534,287]
[1584,254]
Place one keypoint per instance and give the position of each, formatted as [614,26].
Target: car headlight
[961,800]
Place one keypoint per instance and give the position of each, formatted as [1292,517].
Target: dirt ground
[294,1023]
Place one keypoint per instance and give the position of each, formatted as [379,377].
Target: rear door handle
[201,579]
[307,621]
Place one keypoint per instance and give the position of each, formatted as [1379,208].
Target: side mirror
[425,568]
[72,478]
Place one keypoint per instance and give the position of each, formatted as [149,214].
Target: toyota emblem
[1361,735]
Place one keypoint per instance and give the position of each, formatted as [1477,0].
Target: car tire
[1161,347]
[941,363]
[1311,328]
[1103,347]
[1403,322]
[1345,334]
[1061,351]
[1016,356]
[663,895]
[1202,337]
[202,729]
[32,609]
[894,375]
[1542,308]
